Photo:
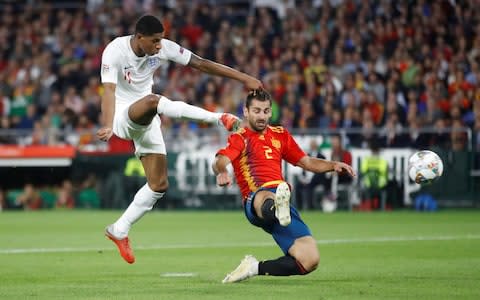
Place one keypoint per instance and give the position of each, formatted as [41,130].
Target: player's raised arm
[211,67]
[318,165]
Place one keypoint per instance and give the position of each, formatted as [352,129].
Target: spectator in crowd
[5,137]
[339,153]
[393,135]
[330,186]
[87,196]
[416,138]
[65,199]
[29,199]
[458,137]
[305,185]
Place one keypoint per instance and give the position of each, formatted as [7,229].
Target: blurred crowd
[375,67]
[65,195]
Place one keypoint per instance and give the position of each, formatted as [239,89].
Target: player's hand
[224,179]
[104,133]
[341,167]
[252,83]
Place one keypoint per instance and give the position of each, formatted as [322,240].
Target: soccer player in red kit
[256,152]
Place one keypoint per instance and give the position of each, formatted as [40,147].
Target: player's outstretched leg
[123,245]
[247,268]
[282,204]
[282,266]
[179,109]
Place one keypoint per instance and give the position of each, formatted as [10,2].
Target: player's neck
[257,131]
[135,48]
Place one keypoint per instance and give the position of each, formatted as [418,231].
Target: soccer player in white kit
[131,111]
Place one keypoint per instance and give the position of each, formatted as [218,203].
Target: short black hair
[260,95]
[374,144]
[148,25]
[333,135]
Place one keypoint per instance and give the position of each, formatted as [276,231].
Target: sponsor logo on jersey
[127,74]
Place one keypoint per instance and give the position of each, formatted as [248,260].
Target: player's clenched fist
[341,167]
[223,179]
[104,133]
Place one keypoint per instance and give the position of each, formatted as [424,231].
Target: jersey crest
[276,143]
[153,62]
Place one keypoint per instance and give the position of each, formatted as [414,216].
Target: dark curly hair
[260,95]
[148,25]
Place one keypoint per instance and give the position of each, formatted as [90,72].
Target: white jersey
[133,75]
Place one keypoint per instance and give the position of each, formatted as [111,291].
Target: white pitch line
[259,244]
[178,275]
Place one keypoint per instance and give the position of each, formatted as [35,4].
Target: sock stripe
[300,267]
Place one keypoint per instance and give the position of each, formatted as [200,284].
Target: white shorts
[147,138]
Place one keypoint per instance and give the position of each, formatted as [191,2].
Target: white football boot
[247,268]
[282,204]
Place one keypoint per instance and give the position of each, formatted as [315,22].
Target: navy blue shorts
[285,236]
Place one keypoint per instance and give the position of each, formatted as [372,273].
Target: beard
[258,125]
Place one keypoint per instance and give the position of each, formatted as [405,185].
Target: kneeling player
[256,152]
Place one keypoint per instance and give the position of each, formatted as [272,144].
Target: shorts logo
[181,50]
[105,68]
[153,62]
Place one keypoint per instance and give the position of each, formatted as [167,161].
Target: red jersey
[257,158]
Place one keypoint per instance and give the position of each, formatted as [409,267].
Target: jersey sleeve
[175,52]
[234,148]
[292,153]
[110,59]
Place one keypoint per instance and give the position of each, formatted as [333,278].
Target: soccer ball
[424,166]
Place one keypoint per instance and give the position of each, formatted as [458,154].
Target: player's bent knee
[309,260]
[152,101]
[305,251]
[152,98]
[143,111]
[159,186]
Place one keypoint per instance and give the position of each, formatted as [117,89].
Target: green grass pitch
[185,255]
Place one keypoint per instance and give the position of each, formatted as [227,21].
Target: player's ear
[245,111]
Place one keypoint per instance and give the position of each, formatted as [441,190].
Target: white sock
[143,202]
[254,268]
[179,109]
